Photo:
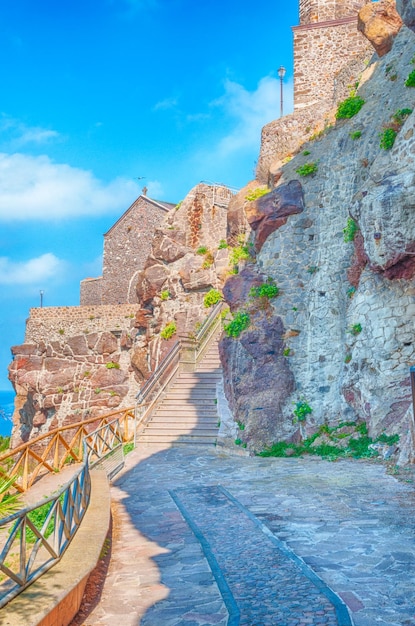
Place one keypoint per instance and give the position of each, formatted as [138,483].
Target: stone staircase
[187,413]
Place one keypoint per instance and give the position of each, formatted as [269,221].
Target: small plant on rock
[112,365]
[350,230]
[302,409]
[307,169]
[257,193]
[349,107]
[222,244]
[168,331]
[351,291]
[356,134]
[212,297]
[165,295]
[202,250]
[239,323]
[410,81]
[286,351]
[266,290]
[387,138]
[355,329]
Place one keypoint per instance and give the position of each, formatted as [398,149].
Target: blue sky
[98,93]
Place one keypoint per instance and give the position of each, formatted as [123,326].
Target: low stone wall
[55,323]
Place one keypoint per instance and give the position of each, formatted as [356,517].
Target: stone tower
[325,43]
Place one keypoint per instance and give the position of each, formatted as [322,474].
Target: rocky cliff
[337,236]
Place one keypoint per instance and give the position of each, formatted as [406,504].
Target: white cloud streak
[36,188]
[31,272]
[250,110]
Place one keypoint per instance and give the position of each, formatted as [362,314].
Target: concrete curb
[55,598]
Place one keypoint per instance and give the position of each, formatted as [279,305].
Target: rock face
[343,319]
[406,9]
[380,23]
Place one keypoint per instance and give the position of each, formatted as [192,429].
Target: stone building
[329,53]
[324,42]
[126,248]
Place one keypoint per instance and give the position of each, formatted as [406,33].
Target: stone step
[185,412]
[182,439]
[177,400]
[188,422]
[199,432]
[189,384]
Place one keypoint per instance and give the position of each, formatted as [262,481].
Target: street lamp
[281,74]
[41,297]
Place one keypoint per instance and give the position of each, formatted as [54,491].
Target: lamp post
[41,297]
[281,74]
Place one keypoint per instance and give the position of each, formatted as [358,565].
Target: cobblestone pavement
[192,543]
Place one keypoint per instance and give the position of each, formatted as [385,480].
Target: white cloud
[166,104]
[37,188]
[18,134]
[30,272]
[155,189]
[250,110]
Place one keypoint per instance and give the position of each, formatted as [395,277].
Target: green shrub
[165,295]
[356,134]
[202,250]
[307,169]
[302,409]
[355,329]
[239,253]
[257,193]
[222,244]
[169,330]
[111,366]
[350,292]
[410,81]
[306,152]
[312,269]
[349,107]
[348,358]
[350,230]
[212,297]
[286,351]
[239,323]
[401,115]
[387,138]
[266,290]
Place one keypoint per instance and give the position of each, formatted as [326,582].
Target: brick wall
[57,323]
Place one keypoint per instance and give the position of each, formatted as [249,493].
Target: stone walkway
[193,543]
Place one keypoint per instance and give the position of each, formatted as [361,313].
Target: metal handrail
[35,538]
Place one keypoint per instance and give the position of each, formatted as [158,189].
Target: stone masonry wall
[320,52]
[283,138]
[312,11]
[91,291]
[126,248]
[56,323]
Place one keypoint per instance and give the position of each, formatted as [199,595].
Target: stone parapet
[56,323]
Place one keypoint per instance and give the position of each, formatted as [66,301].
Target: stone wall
[284,137]
[126,248]
[312,11]
[321,50]
[57,323]
[91,291]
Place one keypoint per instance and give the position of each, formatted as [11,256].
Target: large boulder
[271,211]
[380,22]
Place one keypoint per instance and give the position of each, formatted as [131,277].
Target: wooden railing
[53,450]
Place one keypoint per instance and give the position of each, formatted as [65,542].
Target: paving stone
[350,521]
